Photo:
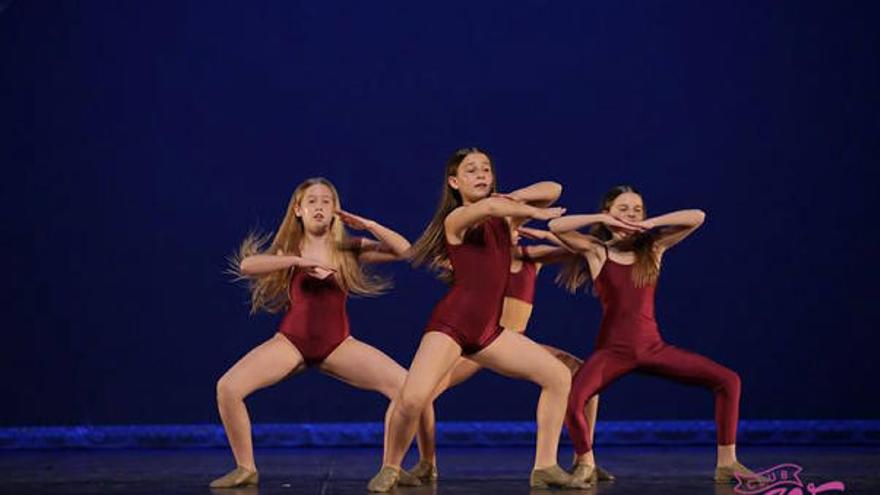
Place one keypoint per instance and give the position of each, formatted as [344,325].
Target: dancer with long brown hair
[308,270]
[469,234]
[519,297]
[622,258]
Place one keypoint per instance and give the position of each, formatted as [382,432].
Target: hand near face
[643,225]
[612,221]
[356,222]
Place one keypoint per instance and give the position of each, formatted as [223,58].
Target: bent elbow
[246,267]
[405,252]
[555,190]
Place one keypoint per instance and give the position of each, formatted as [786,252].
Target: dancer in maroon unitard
[622,257]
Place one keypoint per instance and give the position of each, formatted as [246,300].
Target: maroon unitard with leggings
[629,340]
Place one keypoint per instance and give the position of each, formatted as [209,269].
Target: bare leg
[426,436]
[568,359]
[462,370]
[434,359]
[363,366]
[591,410]
[515,355]
[265,365]
[573,363]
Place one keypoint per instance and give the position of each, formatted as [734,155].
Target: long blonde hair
[646,269]
[270,291]
[430,248]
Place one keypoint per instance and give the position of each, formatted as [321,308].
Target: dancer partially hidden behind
[519,298]
[308,270]
[622,256]
[469,234]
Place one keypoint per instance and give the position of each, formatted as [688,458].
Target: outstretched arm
[566,230]
[259,264]
[544,253]
[464,217]
[672,228]
[390,245]
[540,194]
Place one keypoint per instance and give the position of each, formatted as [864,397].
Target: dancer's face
[627,207]
[316,208]
[474,178]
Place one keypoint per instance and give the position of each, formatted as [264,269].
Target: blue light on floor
[609,433]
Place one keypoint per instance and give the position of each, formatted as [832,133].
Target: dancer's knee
[729,383]
[392,387]
[570,362]
[411,403]
[228,390]
[557,378]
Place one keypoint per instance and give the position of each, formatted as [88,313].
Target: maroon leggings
[607,364]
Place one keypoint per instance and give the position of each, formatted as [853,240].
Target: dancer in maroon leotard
[317,323]
[470,235]
[519,298]
[480,263]
[623,257]
[308,270]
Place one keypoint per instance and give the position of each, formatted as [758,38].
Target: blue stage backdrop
[142,140]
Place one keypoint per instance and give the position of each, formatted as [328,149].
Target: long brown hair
[269,291]
[646,269]
[430,248]
[574,273]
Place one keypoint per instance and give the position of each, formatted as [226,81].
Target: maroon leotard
[521,284]
[470,311]
[316,321]
[629,340]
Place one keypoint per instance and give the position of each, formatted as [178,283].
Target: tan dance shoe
[556,477]
[585,473]
[603,475]
[237,477]
[424,471]
[406,478]
[727,474]
[385,480]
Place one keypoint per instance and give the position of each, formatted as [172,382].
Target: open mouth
[481,185]
[318,216]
